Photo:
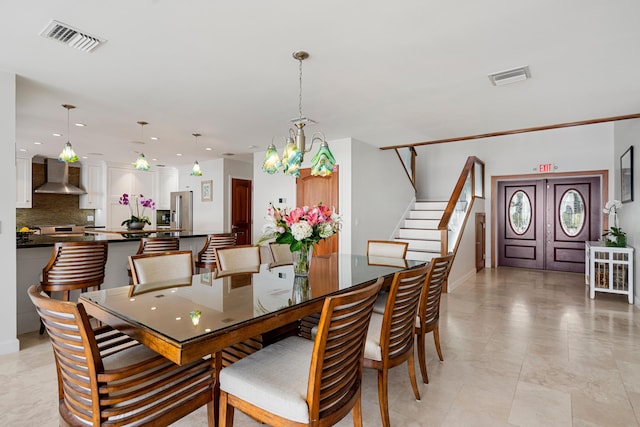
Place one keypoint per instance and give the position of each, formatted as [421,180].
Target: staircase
[420,230]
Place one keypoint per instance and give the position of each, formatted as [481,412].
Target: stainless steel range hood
[58,180]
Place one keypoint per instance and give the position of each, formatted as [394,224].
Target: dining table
[188,318]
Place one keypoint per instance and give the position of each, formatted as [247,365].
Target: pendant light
[141,162]
[322,164]
[195,171]
[67,154]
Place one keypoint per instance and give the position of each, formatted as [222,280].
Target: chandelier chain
[300,94]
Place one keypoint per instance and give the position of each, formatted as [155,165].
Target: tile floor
[521,347]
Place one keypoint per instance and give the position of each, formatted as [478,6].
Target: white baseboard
[452,285]
[10,346]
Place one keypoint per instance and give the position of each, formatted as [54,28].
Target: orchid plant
[614,236]
[135,201]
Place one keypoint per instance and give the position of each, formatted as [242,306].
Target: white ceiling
[385,73]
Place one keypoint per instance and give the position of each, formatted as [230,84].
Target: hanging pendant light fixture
[141,162]
[323,163]
[195,171]
[67,154]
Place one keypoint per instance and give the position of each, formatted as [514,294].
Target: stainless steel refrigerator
[182,210]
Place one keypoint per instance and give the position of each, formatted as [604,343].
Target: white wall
[207,216]
[626,134]
[381,193]
[570,149]
[8,340]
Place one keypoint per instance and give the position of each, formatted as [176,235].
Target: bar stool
[207,255]
[73,266]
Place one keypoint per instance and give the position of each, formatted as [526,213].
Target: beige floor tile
[589,412]
[535,406]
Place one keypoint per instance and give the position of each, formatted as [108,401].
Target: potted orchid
[300,228]
[614,236]
[137,218]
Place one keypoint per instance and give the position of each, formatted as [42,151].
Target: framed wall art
[206,191]
[626,176]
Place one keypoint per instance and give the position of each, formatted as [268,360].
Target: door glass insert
[571,212]
[520,212]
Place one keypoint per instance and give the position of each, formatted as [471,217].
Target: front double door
[544,223]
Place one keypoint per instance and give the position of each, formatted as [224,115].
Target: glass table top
[187,308]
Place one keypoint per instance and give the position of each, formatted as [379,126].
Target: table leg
[216,389]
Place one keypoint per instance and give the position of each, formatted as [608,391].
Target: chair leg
[422,361]
[383,397]
[436,339]
[356,412]
[211,414]
[226,411]
[412,375]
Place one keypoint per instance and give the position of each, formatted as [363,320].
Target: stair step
[414,233]
[423,224]
[422,256]
[421,245]
[430,206]
[426,215]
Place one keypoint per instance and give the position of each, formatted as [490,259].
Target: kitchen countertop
[36,241]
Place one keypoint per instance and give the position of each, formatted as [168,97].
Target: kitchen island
[33,254]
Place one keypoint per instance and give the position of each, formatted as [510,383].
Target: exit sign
[545,167]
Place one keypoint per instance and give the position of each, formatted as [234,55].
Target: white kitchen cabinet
[92,179]
[167,182]
[609,269]
[23,182]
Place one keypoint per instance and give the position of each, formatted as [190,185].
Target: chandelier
[67,154]
[141,162]
[196,171]
[322,164]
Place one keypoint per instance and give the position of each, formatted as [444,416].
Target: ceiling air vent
[510,76]
[70,36]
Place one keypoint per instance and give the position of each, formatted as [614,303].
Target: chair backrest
[243,257]
[162,266]
[75,350]
[429,310]
[336,364]
[152,245]
[75,265]
[207,255]
[280,253]
[398,324]
[387,248]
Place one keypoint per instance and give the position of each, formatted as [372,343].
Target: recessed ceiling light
[80,125]
[155,160]
[513,75]
[208,148]
[85,157]
[23,149]
[56,134]
[37,142]
[178,154]
[154,138]
[252,147]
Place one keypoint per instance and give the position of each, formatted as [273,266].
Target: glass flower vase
[302,259]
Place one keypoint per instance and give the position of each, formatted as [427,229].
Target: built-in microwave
[162,217]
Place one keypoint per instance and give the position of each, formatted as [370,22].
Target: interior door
[520,224]
[311,190]
[573,216]
[543,223]
[241,210]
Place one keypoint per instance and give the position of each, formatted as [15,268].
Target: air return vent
[510,76]
[70,36]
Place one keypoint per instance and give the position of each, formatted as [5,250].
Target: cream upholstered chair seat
[280,253]
[238,258]
[387,248]
[158,267]
[301,382]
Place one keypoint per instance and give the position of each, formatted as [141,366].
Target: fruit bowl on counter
[23,234]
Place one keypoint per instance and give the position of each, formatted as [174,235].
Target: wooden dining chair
[74,266]
[155,267]
[207,256]
[238,258]
[107,378]
[429,309]
[387,248]
[299,382]
[280,253]
[153,245]
[390,339]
